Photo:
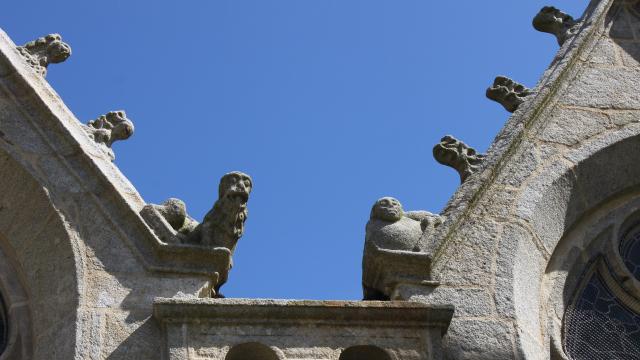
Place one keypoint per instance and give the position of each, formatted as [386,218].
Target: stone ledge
[240,310]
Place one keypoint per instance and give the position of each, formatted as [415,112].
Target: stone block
[570,126]
[604,88]
[475,339]
[468,302]
[469,257]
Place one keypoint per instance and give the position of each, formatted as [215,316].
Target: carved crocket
[458,155]
[49,49]
[392,242]
[556,22]
[508,93]
[110,128]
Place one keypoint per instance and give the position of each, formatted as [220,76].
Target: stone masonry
[89,270]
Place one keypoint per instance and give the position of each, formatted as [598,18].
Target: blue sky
[327,104]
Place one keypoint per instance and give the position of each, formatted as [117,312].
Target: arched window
[364,352]
[603,319]
[251,351]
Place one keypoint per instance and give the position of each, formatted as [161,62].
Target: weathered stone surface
[458,155]
[507,93]
[620,22]
[491,340]
[604,88]
[555,22]
[570,126]
[470,302]
[470,256]
[49,49]
[605,52]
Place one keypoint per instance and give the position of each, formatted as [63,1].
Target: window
[251,351]
[603,319]
[364,352]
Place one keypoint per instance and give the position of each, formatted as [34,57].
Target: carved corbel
[553,21]
[458,155]
[49,49]
[109,128]
[508,93]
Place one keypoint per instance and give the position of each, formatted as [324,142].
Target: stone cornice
[409,314]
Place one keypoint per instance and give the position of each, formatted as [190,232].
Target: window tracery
[603,319]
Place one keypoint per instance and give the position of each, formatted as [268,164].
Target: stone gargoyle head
[387,209]
[458,155]
[553,21]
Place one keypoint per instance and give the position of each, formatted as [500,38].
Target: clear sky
[327,104]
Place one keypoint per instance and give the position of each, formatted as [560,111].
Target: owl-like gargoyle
[393,251]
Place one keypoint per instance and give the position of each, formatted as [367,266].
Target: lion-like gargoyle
[507,93]
[49,49]
[553,21]
[458,155]
[109,128]
[221,227]
[393,251]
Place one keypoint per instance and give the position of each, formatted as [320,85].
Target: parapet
[226,329]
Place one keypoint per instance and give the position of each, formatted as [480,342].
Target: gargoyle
[110,128]
[223,225]
[392,248]
[458,155]
[556,22]
[221,228]
[49,49]
[508,93]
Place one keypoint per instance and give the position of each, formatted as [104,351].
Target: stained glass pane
[630,252]
[599,327]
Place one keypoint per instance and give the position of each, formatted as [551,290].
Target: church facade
[536,255]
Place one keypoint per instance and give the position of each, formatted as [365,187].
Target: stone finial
[508,93]
[49,49]
[556,22]
[393,252]
[109,128]
[458,155]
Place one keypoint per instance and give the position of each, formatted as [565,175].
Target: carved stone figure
[49,49]
[175,212]
[458,155]
[221,228]
[508,93]
[392,247]
[223,225]
[556,22]
[110,128]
